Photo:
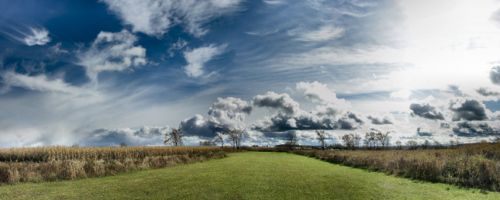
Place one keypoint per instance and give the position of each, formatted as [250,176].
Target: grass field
[248,175]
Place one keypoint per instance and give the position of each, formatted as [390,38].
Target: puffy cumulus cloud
[349,121]
[37,36]
[224,114]
[426,111]
[291,117]
[319,92]
[41,83]
[198,125]
[308,121]
[282,102]
[379,121]
[468,109]
[495,75]
[486,92]
[471,129]
[155,17]
[112,52]
[197,58]
[143,136]
[229,112]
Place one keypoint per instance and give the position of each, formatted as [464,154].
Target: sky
[108,72]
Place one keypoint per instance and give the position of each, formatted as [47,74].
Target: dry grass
[475,165]
[68,163]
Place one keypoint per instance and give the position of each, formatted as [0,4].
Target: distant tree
[219,138]
[398,144]
[123,144]
[235,136]
[384,139]
[291,140]
[349,140]
[207,143]
[412,144]
[426,144]
[357,140]
[321,136]
[174,137]
[372,138]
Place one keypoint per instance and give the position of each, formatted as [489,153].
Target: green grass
[249,175]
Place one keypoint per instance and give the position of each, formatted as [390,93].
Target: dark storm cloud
[309,121]
[198,125]
[379,121]
[421,132]
[426,111]
[469,110]
[444,125]
[495,75]
[224,114]
[132,137]
[274,100]
[486,92]
[455,90]
[471,129]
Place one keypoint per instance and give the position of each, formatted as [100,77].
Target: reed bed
[68,163]
[474,165]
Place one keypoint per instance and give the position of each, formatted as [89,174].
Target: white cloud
[196,59]
[155,17]
[40,83]
[282,102]
[320,92]
[37,37]
[112,52]
[273,2]
[324,33]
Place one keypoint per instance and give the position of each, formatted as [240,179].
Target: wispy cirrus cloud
[37,37]
[41,83]
[197,58]
[323,33]
[155,17]
[112,52]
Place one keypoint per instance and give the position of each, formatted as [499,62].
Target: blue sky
[107,72]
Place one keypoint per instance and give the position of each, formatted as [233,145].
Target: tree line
[373,139]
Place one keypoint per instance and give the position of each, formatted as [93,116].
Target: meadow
[246,175]
[471,165]
[68,163]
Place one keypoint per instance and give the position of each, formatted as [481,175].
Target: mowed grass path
[248,175]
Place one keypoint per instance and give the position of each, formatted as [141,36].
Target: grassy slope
[250,175]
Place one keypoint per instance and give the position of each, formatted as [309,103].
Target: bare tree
[348,140]
[371,138]
[357,140]
[399,144]
[173,137]
[235,136]
[412,144]
[321,136]
[291,139]
[385,139]
[219,138]
[207,143]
